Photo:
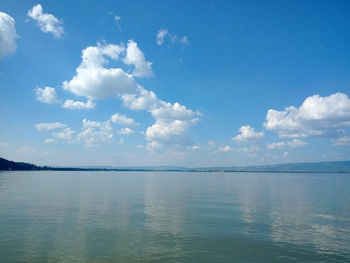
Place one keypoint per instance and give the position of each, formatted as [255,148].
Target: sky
[185,83]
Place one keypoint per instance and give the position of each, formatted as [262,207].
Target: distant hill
[320,167]
[10,165]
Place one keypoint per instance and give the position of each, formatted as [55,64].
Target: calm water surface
[174,217]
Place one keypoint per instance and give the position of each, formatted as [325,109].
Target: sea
[110,216]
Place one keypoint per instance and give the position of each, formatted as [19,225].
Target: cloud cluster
[163,33]
[92,133]
[8,35]
[47,23]
[94,80]
[317,116]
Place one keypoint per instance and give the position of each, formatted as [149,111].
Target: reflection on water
[174,217]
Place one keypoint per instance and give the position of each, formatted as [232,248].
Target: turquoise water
[174,217]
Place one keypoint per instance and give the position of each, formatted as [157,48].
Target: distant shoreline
[320,167]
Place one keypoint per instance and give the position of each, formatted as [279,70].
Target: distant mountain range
[319,167]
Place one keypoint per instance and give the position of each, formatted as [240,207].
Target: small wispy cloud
[164,34]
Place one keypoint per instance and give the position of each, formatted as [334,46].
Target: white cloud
[164,34]
[195,147]
[295,143]
[172,120]
[122,120]
[65,134]
[95,133]
[46,95]
[8,35]
[285,154]
[184,40]
[225,149]
[345,140]
[144,100]
[118,20]
[94,81]
[171,126]
[275,145]
[135,57]
[46,22]
[50,140]
[48,126]
[247,133]
[161,35]
[78,105]
[317,116]
[250,151]
[126,131]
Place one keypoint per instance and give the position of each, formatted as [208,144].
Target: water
[174,217]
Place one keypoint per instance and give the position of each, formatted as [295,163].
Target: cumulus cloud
[48,126]
[46,95]
[47,23]
[295,143]
[247,133]
[122,120]
[172,120]
[275,145]
[135,57]
[195,147]
[142,100]
[94,133]
[94,81]
[161,35]
[164,34]
[317,116]
[8,35]
[171,126]
[79,105]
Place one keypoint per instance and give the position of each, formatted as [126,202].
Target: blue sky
[192,83]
